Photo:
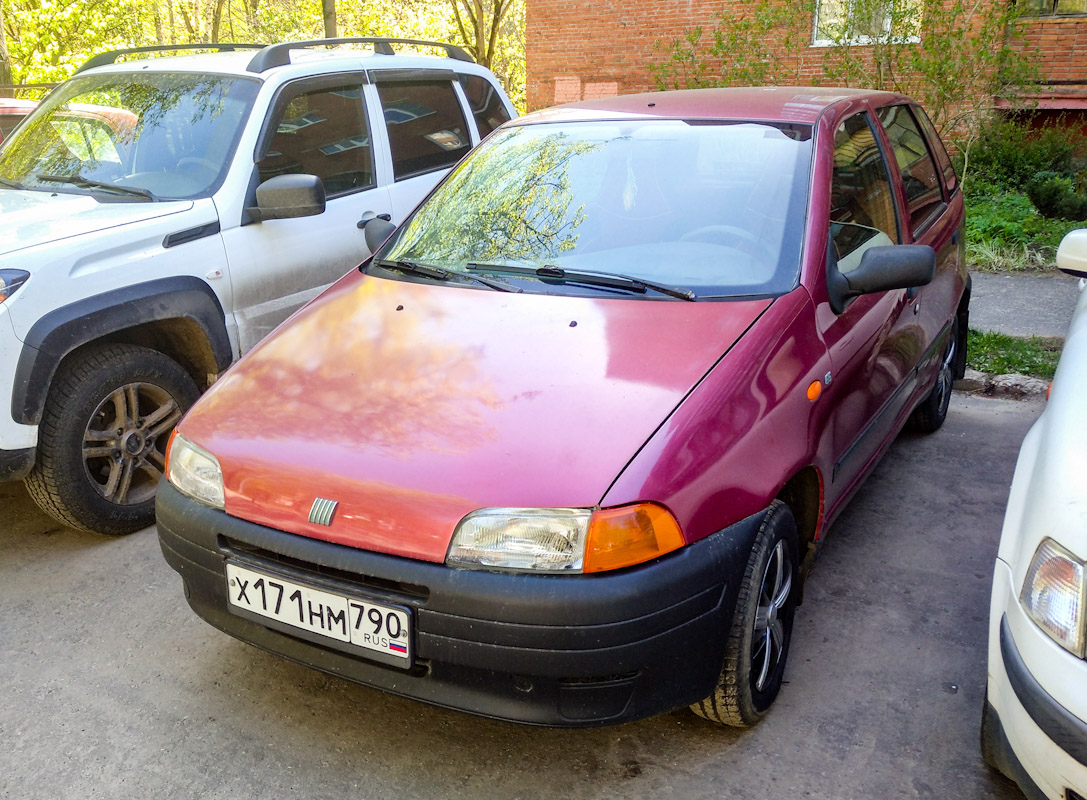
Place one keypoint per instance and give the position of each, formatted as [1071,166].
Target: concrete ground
[114,689]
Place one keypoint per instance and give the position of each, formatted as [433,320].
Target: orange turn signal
[814,390]
[621,537]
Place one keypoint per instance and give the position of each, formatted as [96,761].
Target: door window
[862,212]
[427,129]
[322,132]
[951,180]
[487,106]
[923,194]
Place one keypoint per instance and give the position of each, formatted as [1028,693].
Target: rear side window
[322,132]
[951,180]
[486,105]
[923,193]
[862,212]
[427,129]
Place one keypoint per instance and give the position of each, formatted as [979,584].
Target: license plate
[375,627]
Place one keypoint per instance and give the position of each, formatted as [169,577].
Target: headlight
[563,540]
[10,280]
[194,472]
[1053,595]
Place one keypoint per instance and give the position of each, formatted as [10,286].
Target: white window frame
[844,8]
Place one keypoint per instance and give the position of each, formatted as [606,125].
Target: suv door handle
[369,215]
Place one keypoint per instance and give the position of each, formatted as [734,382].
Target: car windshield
[713,209]
[146,136]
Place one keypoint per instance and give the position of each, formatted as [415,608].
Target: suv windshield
[131,136]
[717,208]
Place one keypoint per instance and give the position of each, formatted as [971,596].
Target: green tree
[956,56]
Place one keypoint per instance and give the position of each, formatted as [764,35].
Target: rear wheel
[761,629]
[103,435]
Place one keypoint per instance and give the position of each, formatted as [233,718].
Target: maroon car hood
[414,404]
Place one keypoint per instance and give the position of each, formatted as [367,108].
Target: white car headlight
[194,472]
[1053,595]
[563,540]
[537,539]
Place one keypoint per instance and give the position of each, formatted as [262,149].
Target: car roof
[10,105]
[802,104]
[302,61]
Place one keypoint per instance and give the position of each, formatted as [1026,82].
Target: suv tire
[103,435]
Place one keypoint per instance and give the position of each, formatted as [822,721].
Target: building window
[850,22]
[1049,8]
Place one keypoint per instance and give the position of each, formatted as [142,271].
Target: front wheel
[103,435]
[761,629]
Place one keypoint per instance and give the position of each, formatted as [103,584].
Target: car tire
[932,411]
[761,628]
[103,435]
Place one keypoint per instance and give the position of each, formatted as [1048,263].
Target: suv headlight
[194,472]
[10,280]
[1053,595]
[563,540]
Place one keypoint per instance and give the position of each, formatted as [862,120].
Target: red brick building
[579,49]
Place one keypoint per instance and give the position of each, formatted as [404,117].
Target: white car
[160,216]
[1034,725]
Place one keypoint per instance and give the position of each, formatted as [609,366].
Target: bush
[1055,196]
[1010,154]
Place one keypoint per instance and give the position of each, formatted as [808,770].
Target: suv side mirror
[288,196]
[1072,254]
[900,266]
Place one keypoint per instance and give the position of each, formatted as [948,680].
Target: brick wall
[579,49]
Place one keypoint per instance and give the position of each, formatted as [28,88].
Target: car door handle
[369,215]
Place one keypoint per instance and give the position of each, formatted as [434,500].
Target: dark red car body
[415,404]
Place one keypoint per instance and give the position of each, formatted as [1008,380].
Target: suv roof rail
[278,55]
[111,56]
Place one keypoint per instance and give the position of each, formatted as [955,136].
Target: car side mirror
[900,266]
[1072,253]
[289,196]
[377,228]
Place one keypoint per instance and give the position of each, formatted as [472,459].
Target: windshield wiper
[11,184]
[87,183]
[606,279]
[443,274]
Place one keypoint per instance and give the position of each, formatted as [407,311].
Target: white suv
[161,216]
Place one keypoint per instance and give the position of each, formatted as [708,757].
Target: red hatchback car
[563,450]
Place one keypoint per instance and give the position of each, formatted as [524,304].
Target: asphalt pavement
[1023,304]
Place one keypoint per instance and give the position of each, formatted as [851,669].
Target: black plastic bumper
[16,464]
[1064,728]
[561,650]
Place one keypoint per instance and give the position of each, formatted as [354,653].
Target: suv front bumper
[560,650]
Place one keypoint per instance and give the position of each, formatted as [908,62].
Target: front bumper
[1043,743]
[560,650]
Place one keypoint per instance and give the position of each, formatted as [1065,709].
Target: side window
[486,105]
[915,162]
[862,212]
[427,129]
[951,180]
[322,132]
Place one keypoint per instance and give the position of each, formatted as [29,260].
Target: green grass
[999,354]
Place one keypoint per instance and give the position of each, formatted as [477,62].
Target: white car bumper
[1041,744]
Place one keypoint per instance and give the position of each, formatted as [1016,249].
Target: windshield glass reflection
[131,137]
[716,207]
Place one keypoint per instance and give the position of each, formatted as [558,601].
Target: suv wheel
[103,435]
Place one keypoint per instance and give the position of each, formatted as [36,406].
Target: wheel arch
[803,494]
[180,317]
